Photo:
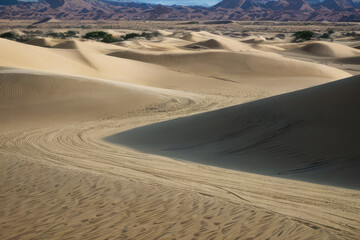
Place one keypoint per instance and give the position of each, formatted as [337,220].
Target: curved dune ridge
[44,42]
[310,135]
[211,43]
[28,87]
[254,40]
[327,49]
[71,44]
[229,63]
[17,55]
[86,60]
[28,97]
[228,43]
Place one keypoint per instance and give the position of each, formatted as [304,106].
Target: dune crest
[44,42]
[305,135]
[326,49]
[228,63]
[211,43]
[60,98]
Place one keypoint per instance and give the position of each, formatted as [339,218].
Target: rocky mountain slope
[280,10]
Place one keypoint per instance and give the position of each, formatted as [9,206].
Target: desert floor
[74,163]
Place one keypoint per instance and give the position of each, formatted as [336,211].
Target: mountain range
[280,10]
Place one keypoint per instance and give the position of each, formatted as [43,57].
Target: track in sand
[60,180]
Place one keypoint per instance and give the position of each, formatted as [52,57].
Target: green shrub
[330,31]
[109,39]
[280,35]
[96,35]
[303,36]
[131,35]
[101,36]
[16,37]
[143,34]
[71,33]
[8,35]
[56,35]
[23,38]
[149,35]
[325,35]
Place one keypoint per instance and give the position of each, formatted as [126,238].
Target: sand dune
[310,135]
[228,63]
[87,61]
[44,42]
[17,55]
[31,98]
[349,60]
[68,45]
[29,87]
[327,49]
[212,44]
[254,40]
[229,43]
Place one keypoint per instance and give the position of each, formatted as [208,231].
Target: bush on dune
[109,38]
[143,34]
[14,36]
[327,34]
[303,36]
[100,36]
[8,35]
[62,35]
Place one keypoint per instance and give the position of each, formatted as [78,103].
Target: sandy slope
[36,98]
[44,42]
[61,180]
[309,135]
[327,49]
[235,64]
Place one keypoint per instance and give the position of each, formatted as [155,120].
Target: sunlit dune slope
[27,97]
[229,63]
[328,49]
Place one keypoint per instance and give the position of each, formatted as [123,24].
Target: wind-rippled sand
[61,180]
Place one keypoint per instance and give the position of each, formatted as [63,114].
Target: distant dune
[309,135]
[252,63]
[326,49]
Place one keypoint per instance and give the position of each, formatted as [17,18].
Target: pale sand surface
[60,180]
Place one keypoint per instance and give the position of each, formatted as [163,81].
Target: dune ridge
[31,98]
[327,49]
[228,63]
[281,136]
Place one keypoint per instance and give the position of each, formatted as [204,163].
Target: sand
[61,101]
[279,136]
[326,49]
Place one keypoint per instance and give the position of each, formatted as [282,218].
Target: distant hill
[281,10]
[337,5]
[300,5]
[238,4]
